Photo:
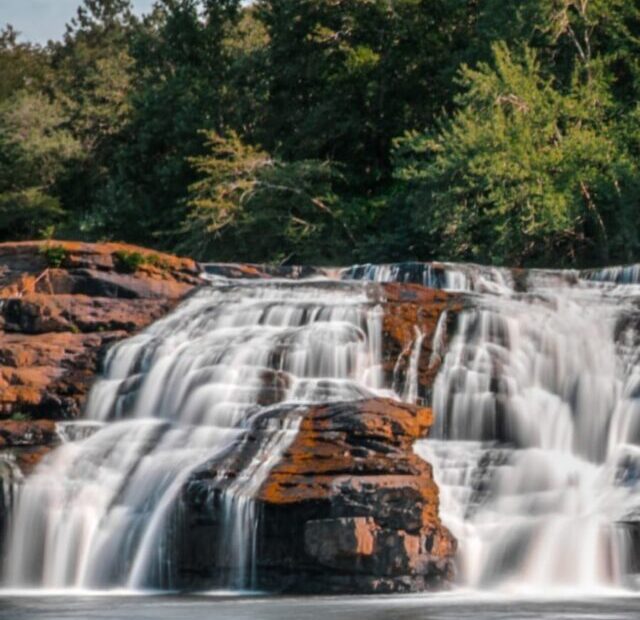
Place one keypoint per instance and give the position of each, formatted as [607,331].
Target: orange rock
[411,307]
[349,507]
[57,322]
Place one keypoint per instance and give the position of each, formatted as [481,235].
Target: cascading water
[535,442]
[98,512]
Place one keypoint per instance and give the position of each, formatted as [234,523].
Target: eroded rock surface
[348,507]
[62,304]
[416,316]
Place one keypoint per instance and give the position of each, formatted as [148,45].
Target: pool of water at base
[222,607]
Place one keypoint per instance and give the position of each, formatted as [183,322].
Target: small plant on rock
[128,262]
[54,255]
[20,416]
[157,261]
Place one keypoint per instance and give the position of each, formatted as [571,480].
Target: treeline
[331,131]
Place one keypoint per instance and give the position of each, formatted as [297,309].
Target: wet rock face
[348,508]
[56,321]
[14,433]
[252,271]
[416,314]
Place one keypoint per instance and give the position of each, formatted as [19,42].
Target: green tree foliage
[524,173]
[331,130]
[34,150]
[90,80]
[353,74]
[22,65]
[180,65]
[247,203]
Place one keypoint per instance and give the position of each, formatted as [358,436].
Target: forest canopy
[331,131]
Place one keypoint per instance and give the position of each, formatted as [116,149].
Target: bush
[128,262]
[54,255]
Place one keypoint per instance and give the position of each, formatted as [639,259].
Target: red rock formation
[348,508]
[408,308]
[62,304]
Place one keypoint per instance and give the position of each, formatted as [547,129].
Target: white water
[535,446]
[535,443]
[98,511]
[448,276]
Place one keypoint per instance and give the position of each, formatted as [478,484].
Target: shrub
[128,262]
[54,255]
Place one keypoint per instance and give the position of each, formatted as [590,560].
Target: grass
[130,262]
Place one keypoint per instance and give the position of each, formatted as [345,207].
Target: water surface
[426,607]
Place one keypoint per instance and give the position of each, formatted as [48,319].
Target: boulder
[349,507]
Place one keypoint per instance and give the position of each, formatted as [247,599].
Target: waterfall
[535,445]
[99,512]
[448,276]
[535,442]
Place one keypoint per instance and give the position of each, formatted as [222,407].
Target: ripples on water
[427,607]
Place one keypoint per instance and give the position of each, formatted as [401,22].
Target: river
[452,606]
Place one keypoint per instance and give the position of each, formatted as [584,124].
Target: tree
[22,65]
[178,77]
[523,173]
[354,74]
[34,149]
[247,205]
[90,81]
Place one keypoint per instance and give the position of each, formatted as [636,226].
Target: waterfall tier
[97,512]
[261,397]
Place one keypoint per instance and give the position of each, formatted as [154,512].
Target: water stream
[535,445]
[98,511]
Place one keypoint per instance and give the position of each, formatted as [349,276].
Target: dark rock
[349,507]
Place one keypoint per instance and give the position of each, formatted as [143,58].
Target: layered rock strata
[62,304]
[348,507]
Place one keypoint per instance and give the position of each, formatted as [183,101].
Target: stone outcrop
[414,314]
[348,507]
[62,304]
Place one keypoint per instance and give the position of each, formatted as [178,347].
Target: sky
[41,20]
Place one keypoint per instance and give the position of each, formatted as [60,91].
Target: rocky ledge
[348,507]
[62,304]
